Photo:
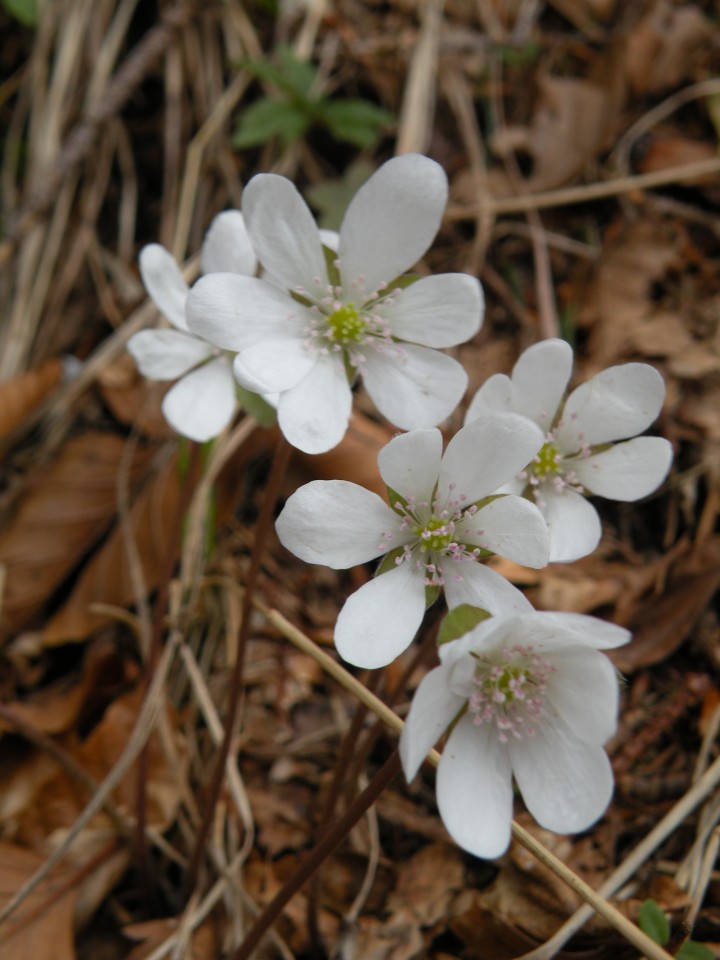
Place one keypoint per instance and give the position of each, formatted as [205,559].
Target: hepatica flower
[328,317]
[532,697]
[203,401]
[441,522]
[578,456]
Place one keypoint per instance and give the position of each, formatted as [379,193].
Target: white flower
[533,698]
[578,457]
[203,401]
[333,320]
[439,525]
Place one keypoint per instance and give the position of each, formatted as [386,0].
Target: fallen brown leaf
[20,396]
[662,48]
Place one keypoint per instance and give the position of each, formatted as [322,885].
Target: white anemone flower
[326,317]
[528,696]
[440,523]
[203,401]
[578,456]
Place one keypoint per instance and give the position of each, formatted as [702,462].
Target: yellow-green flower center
[547,461]
[436,535]
[345,325]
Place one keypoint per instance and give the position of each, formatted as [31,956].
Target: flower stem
[281,459]
[321,851]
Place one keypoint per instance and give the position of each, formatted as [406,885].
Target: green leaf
[354,121]
[292,76]
[26,11]
[256,406]
[459,621]
[654,923]
[691,950]
[266,119]
[332,198]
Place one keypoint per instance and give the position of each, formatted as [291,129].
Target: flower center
[436,535]
[345,325]
[509,690]
[547,460]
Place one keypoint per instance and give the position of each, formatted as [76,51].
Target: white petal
[409,464]
[165,283]
[392,220]
[483,587]
[566,784]
[414,387]
[539,379]
[284,233]
[167,354]
[380,620]
[274,366]
[336,523]
[434,706]
[614,405]
[474,790]
[573,524]
[235,312]
[487,453]
[494,396]
[511,527]
[314,415]
[627,471]
[227,247]
[437,311]
[202,404]
[584,692]
[560,631]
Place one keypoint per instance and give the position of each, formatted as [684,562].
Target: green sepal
[333,273]
[459,621]
[395,497]
[256,406]
[431,595]
[653,922]
[388,561]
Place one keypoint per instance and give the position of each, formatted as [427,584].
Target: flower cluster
[519,693]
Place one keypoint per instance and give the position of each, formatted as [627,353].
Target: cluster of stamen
[433,525]
[338,325]
[549,465]
[509,690]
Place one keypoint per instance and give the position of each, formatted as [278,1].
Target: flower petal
[613,405]
[573,524]
[414,387]
[560,631]
[494,396]
[437,311]
[487,453]
[314,415]
[584,692]
[202,404]
[434,706]
[474,789]
[391,221]
[380,619]
[336,523]
[274,366]
[566,784]
[167,354]
[627,471]
[235,312]
[284,234]
[227,247]
[539,379]
[163,280]
[511,527]
[481,586]
[409,464]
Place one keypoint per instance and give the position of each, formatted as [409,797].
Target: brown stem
[283,451]
[321,851]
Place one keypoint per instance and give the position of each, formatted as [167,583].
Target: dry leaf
[68,505]
[133,400]
[21,395]
[355,457]
[107,578]
[427,883]
[662,49]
